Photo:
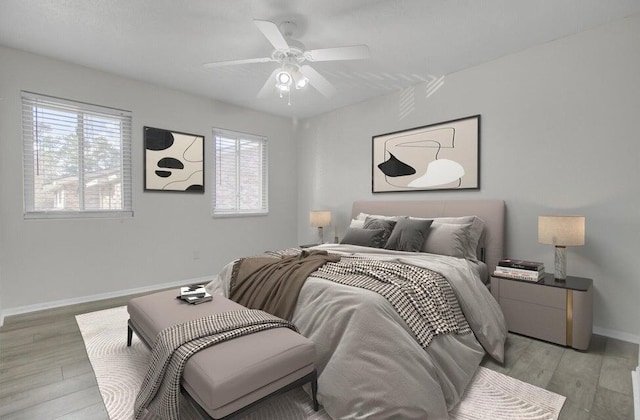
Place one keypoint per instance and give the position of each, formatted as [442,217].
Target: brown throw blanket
[273,284]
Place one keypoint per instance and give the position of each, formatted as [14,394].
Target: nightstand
[559,312]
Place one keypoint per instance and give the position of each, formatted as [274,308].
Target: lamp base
[561,263]
[320,236]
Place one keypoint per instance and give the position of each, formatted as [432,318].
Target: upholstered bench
[234,375]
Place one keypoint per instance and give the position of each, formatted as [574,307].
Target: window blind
[240,174]
[77,159]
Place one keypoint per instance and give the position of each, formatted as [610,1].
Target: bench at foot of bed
[233,376]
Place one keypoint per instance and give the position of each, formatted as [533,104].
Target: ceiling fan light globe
[302,83]
[299,80]
[283,78]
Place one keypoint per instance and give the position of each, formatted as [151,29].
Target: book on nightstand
[520,269]
[521,264]
[518,276]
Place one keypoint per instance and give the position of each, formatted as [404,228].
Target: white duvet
[369,364]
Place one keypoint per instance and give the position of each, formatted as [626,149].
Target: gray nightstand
[560,312]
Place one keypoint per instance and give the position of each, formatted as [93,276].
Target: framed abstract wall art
[173,161]
[442,156]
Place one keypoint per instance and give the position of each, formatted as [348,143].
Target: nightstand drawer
[547,296]
[543,322]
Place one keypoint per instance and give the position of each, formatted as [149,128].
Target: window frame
[30,101]
[264,187]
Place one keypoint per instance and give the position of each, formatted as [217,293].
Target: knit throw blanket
[423,298]
[160,390]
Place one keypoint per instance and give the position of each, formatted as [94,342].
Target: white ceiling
[167,41]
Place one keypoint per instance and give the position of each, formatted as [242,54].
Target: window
[240,174]
[77,159]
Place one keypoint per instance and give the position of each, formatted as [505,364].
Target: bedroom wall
[559,135]
[1,314]
[172,236]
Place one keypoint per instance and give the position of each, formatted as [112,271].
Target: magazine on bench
[194,294]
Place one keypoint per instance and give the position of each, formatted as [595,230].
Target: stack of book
[194,294]
[520,269]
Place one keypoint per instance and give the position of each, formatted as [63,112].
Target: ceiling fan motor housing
[288,28]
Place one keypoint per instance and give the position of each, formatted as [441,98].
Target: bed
[369,362]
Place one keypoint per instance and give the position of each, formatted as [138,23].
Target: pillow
[408,235]
[387,225]
[474,232]
[355,223]
[363,216]
[447,239]
[364,237]
[477,224]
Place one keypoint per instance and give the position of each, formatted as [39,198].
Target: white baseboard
[92,298]
[619,335]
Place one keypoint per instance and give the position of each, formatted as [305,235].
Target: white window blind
[240,174]
[77,159]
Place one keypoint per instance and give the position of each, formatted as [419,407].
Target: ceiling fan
[291,55]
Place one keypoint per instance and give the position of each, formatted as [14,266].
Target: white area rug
[119,371]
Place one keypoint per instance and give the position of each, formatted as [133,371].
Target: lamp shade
[561,230]
[320,218]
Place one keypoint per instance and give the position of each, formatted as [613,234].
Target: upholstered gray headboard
[491,211]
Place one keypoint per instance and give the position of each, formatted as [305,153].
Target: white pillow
[363,216]
[357,224]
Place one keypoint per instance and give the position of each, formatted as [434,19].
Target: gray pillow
[372,238]
[474,233]
[408,235]
[447,239]
[387,225]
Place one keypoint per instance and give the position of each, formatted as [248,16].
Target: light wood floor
[45,372]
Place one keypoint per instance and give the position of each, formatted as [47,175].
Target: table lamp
[561,231]
[320,219]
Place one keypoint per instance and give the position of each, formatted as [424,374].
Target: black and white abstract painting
[173,161]
[443,156]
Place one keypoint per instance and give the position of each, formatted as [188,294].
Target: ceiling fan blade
[273,34]
[318,81]
[269,85]
[236,62]
[355,52]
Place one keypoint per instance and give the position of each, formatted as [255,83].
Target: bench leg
[314,391]
[129,335]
